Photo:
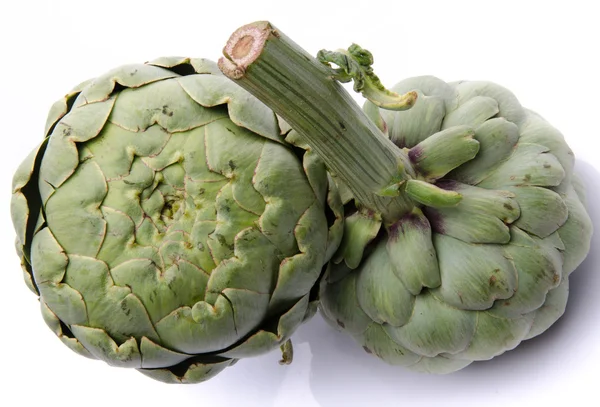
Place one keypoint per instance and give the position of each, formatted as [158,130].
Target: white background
[546,52]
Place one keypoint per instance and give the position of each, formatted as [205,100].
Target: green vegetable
[168,226]
[464,219]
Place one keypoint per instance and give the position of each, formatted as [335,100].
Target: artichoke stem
[305,93]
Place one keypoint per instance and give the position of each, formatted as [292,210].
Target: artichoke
[481,260]
[167,225]
[464,219]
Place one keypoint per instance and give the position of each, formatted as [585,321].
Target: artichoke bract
[167,225]
[464,219]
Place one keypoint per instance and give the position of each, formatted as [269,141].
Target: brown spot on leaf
[367,350]
[340,323]
[492,280]
[508,206]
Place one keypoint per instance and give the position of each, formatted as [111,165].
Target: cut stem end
[243,48]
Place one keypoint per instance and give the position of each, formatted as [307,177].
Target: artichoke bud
[481,260]
[166,224]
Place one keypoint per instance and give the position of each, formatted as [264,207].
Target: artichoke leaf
[234,153]
[494,335]
[231,219]
[434,328]
[412,234]
[551,311]
[340,305]
[49,264]
[116,149]
[61,157]
[164,103]
[440,365]
[103,347]
[473,275]
[108,305]
[472,112]
[409,127]
[62,106]
[497,138]
[360,229]
[508,105]
[336,228]
[440,153]
[120,244]
[579,187]
[378,342]
[529,165]
[316,172]
[48,259]
[155,356]
[253,267]
[127,76]
[481,216]
[199,65]
[209,328]
[575,233]
[539,265]
[66,336]
[80,228]
[19,212]
[129,195]
[431,195]
[264,340]
[536,130]
[542,211]
[181,284]
[380,292]
[281,214]
[195,372]
[245,110]
[298,274]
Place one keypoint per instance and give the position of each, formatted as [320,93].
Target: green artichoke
[167,225]
[481,259]
[464,219]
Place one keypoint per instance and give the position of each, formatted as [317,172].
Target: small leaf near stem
[431,195]
[355,64]
[287,353]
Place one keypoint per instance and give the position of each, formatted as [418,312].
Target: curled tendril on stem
[355,64]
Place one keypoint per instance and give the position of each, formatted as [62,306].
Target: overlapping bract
[167,225]
[449,284]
